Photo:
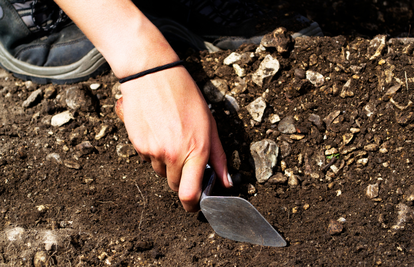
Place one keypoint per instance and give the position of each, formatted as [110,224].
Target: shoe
[38,42]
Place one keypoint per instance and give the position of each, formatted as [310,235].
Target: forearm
[121,32]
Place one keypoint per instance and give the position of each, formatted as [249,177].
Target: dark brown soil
[112,210]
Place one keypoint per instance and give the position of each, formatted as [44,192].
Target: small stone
[232,58]
[71,164]
[297,136]
[267,69]
[315,78]
[283,165]
[274,118]
[235,158]
[239,70]
[125,150]
[300,73]
[33,99]
[278,178]
[306,206]
[392,91]
[265,155]
[346,89]
[95,86]
[316,120]
[329,119]
[347,138]
[77,98]
[215,90]
[362,162]
[256,109]
[251,190]
[105,129]
[54,157]
[331,151]
[335,227]
[287,125]
[355,130]
[293,181]
[372,191]
[369,109]
[85,148]
[371,147]
[116,91]
[61,118]
[405,213]
[50,92]
[41,259]
[279,38]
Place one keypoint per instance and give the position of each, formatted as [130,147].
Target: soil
[66,202]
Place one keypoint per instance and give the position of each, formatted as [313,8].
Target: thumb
[191,182]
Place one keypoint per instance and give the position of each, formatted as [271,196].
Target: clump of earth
[318,138]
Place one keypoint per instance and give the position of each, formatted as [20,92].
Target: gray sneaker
[39,42]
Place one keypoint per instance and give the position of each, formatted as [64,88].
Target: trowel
[236,218]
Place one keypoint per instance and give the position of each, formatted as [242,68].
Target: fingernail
[229,179]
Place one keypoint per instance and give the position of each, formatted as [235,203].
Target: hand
[170,125]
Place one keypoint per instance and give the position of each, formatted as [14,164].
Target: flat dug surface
[341,193]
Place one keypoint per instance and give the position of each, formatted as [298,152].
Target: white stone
[61,118]
[274,118]
[95,86]
[232,58]
[315,78]
[257,108]
[239,70]
[268,68]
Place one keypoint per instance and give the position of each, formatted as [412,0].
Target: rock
[241,72]
[235,159]
[61,118]
[78,98]
[95,86]
[274,118]
[232,58]
[362,162]
[105,129]
[287,125]
[279,38]
[54,157]
[329,119]
[265,155]
[300,73]
[125,150]
[285,149]
[71,164]
[41,259]
[116,91]
[297,136]
[256,109]
[84,148]
[404,118]
[293,180]
[371,147]
[335,227]
[33,99]
[50,92]
[377,44]
[251,190]
[278,178]
[346,90]
[347,138]
[331,151]
[231,104]
[369,109]
[215,90]
[405,213]
[316,120]
[391,92]
[267,69]
[372,191]
[315,78]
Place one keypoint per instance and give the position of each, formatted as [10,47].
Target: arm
[165,114]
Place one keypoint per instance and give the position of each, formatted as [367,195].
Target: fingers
[218,158]
[191,183]
[159,167]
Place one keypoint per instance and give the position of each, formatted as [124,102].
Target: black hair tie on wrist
[145,72]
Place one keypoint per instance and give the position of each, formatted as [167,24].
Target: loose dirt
[66,202]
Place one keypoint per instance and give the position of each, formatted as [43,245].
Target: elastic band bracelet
[145,72]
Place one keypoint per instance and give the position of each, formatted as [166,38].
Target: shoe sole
[90,65]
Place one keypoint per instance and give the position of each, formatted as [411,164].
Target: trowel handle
[210,177]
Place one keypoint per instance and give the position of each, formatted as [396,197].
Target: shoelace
[226,13]
[40,16]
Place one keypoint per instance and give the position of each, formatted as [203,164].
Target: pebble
[125,150]
[331,151]
[41,259]
[268,68]
[316,120]
[251,190]
[241,72]
[77,98]
[54,157]
[50,92]
[116,91]
[315,78]
[84,148]
[329,119]
[265,155]
[274,118]
[362,162]
[392,91]
[105,129]
[293,181]
[287,125]
[231,104]
[404,214]
[279,38]
[235,158]
[372,191]
[335,227]
[347,138]
[215,90]
[256,109]
[278,178]
[232,58]
[300,73]
[371,147]
[71,164]
[95,86]
[33,99]
[369,109]
[346,90]
[297,136]
[61,118]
